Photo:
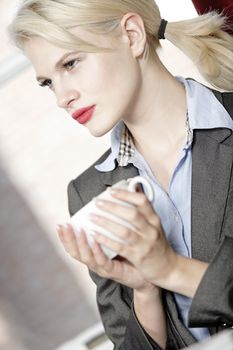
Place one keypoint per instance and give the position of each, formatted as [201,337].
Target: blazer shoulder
[226,99]
[86,175]
[85,186]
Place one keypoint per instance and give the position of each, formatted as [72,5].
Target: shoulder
[87,176]
[226,99]
[85,186]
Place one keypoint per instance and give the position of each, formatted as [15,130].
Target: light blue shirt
[174,208]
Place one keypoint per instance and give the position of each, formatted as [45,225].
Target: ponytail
[205,42]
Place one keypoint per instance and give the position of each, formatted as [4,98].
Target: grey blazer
[212,242]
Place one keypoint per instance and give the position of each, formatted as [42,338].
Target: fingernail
[113,191]
[67,225]
[99,203]
[93,217]
[58,227]
[63,226]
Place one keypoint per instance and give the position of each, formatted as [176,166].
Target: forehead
[43,55]
[38,49]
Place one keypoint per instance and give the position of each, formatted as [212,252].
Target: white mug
[81,219]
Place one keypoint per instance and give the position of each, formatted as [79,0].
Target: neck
[160,113]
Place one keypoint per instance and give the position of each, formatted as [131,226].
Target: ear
[133,31]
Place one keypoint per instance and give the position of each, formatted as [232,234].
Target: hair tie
[162,29]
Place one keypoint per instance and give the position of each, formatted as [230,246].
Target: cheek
[111,75]
[125,86]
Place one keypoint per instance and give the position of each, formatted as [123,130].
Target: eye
[46,82]
[71,64]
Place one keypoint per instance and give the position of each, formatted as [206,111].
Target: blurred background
[47,300]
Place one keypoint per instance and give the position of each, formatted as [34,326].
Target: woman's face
[110,81]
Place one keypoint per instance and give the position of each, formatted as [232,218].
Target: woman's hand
[118,269]
[147,297]
[146,247]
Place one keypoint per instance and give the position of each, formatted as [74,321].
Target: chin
[98,131]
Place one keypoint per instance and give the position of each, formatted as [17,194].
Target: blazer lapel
[211,172]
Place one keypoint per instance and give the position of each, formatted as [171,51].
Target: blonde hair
[202,39]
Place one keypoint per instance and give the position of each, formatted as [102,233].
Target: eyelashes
[46,82]
[68,66]
[71,64]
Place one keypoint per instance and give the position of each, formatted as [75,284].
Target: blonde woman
[171,284]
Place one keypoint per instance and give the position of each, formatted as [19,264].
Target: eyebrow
[58,63]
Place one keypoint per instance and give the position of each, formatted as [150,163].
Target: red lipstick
[83,115]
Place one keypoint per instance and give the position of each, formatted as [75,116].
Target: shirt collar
[204,109]
[204,112]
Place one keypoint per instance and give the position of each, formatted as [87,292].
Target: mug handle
[144,181]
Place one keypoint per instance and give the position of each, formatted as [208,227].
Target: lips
[83,115]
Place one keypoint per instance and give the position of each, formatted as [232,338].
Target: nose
[65,98]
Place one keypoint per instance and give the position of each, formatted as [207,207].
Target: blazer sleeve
[115,302]
[117,313]
[212,304]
